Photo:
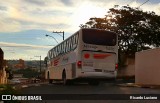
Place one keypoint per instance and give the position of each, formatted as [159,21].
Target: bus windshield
[99,37]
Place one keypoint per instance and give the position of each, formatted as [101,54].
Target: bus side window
[71,43]
[74,47]
[64,49]
[75,41]
[52,53]
[76,38]
[56,51]
[59,50]
[45,61]
[67,46]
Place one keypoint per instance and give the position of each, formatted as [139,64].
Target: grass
[6,89]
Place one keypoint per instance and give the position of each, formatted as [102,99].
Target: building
[3,74]
[20,64]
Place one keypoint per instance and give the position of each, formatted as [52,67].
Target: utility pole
[40,67]
[59,34]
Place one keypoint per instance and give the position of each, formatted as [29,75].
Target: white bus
[88,54]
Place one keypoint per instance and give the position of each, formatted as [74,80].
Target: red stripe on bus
[101,56]
[56,62]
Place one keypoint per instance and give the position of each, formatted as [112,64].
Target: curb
[127,85]
[27,85]
[139,86]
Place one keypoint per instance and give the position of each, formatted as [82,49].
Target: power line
[143,3]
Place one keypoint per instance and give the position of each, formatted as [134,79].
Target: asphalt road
[103,88]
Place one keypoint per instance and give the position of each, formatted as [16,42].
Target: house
[3,74]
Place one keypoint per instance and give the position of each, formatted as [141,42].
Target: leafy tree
[27,73]
[9,72]
[137,30]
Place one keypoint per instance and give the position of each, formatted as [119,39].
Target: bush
[8,90]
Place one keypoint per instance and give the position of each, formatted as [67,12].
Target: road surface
[85,89]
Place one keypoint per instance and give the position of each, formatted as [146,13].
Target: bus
[89,55]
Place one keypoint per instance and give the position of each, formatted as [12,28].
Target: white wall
[147,67]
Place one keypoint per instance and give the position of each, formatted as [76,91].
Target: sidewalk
[20,86]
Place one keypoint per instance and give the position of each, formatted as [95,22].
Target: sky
[24,23]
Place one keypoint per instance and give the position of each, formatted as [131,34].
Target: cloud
[8,25]
[3,8]
[24,17]
[23,51]
[37,2]
[57,15]
[6,44]
[67,2]
[49,14]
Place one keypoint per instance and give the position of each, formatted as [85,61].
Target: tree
[9,71]
[27,73]
[137,30]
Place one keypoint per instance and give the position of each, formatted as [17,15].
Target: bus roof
[78,31]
